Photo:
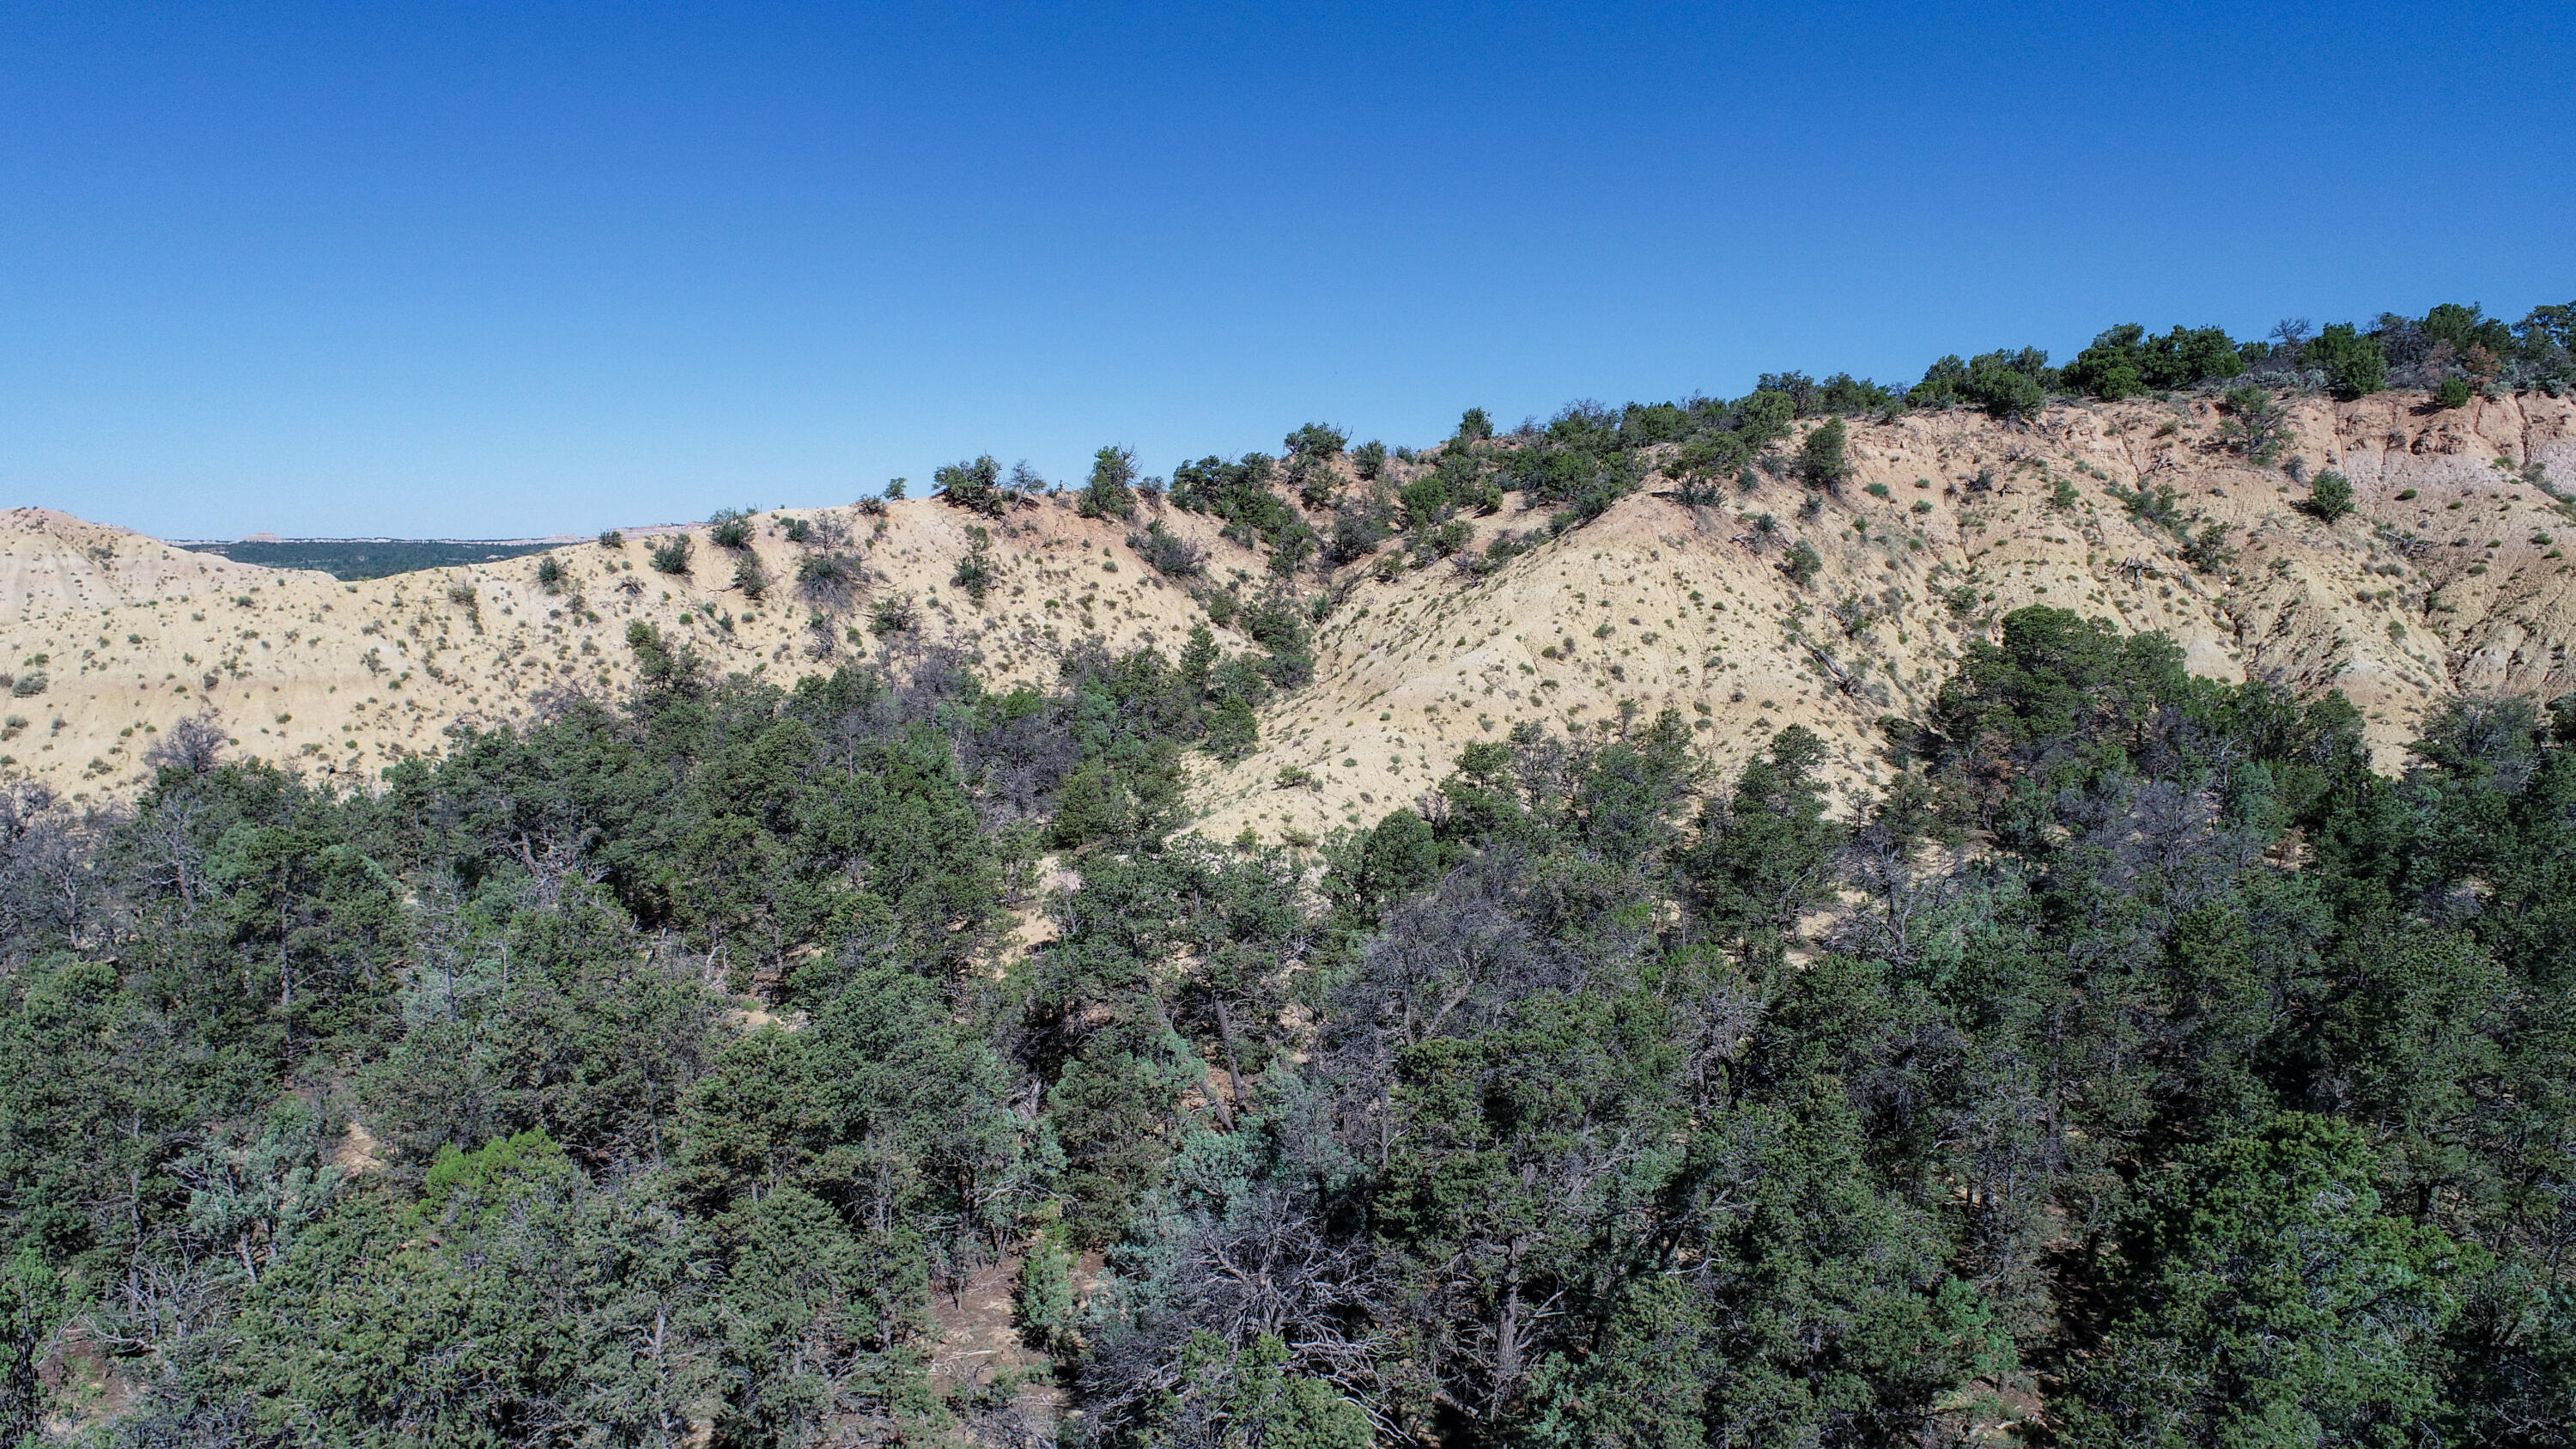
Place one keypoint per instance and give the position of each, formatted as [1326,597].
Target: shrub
[29,685]
[796,529]
[1316,440]
[1314,480]
[1110,492]
[1801,563]
[893,615]
[974,572]
[893,492]
[671,555]
[750,577]
[1876,490]
[1168,553]
[2061,495]
[2453,392]
[2330,496]
[550,574]
[1823,459]
[976,486]
[1042,1306]
[1369,459]
[1474,426]
[828,579]
[2007,384]
[1359,526]
[2208,552]
[611,538]
[2355,366]
[2123,361]
[2255,425]
[1426,501]
[729,528]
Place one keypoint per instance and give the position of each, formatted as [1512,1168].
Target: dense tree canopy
[2139,1068]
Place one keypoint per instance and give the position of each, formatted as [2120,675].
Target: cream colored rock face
[2448,577]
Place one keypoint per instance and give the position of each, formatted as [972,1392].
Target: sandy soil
[2447,578]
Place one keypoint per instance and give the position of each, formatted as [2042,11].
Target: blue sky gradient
[516,269]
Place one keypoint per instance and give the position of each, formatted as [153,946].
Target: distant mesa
[352,559]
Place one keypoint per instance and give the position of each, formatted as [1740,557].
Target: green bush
[1801,563]
[975,486]
[2329,496]
[2355,366]
[729,528]
[975,572]
[2255,425]
[1042,1305]
[2007,384]
[1315,440]
[1110,491]
[1426,501]
[893,614]
[672,554]
[2452,392]
[1824,460]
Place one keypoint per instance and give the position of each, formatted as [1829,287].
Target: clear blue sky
[524,268]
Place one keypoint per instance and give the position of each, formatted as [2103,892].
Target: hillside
[2445,579]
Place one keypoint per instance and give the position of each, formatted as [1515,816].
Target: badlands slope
[2446,579]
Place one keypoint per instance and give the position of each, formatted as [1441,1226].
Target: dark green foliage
[2007,384]
[828,580]
[729,528]
[1315,440]
[2262,1291]
[2255,425]
[1823,459]
[975,486]
[2136,1049]
[1474,426]
[974,572]
[671,555]
[2354,365]
[1239,493]
[2329,496]
[372,558]
[1167,553]
[1840,394]
[2452,392]
[2208,550]
[1369,459]
[1801,561]
[2124,361]
[1110,491]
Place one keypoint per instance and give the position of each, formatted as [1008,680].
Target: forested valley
[2139,1067]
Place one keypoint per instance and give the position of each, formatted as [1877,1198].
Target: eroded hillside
[2446,577]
